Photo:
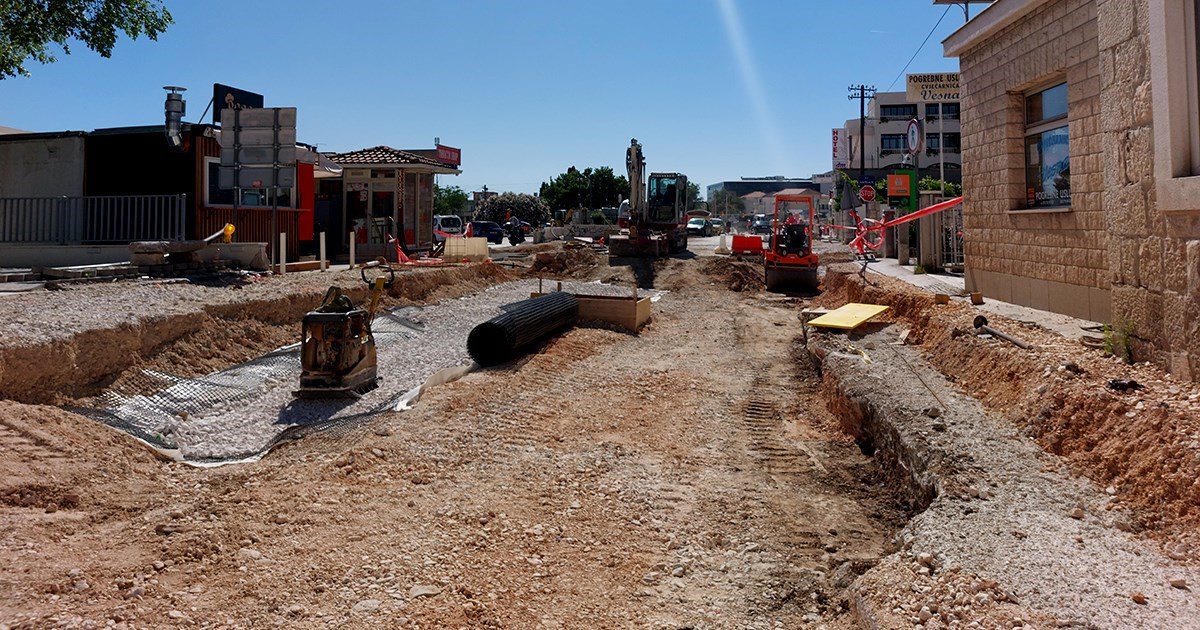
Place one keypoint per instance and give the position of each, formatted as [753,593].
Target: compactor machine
[657,226]
[337,349]
[789,262]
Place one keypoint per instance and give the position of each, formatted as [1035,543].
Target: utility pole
[862,93]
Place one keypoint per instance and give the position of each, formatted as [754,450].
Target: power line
[939,22]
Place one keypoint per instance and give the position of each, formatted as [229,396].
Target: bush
[525,207]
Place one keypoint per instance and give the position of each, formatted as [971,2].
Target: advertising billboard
[932,88]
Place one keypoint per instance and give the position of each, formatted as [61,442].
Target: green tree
[448,200]
[693,195]
[589,188]
[725,202]
[524,207]
[29,27]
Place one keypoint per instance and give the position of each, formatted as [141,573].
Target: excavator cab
[666,201]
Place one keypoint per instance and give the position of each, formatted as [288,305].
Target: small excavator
[789,263]
[337,349]
[656,224]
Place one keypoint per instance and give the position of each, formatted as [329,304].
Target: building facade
[767,185]
[885,131]
[383,192]
[1082,164]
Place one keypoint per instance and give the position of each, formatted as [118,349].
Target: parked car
[718,226]
[699,227]
[489,230]
[761,226]
[446,224]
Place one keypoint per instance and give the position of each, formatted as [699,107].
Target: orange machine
[789,261]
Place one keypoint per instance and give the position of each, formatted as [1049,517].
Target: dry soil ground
[692,476]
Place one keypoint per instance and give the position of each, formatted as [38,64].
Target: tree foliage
[505,205]
[929,183]
[29,27]
[693,195]
[589,188]
[726,202]
[449,200]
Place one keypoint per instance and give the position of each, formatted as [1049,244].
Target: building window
[893,142]
[1047,149]
[933,142]
[953,142]
[950,111]
[898,112]
[1175,74]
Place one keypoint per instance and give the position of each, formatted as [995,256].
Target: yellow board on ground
[849,316]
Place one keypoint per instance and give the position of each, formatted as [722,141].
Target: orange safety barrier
[744,244]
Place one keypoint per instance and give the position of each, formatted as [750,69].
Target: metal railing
[100,219]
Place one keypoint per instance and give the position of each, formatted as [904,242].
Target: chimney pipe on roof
[175,108]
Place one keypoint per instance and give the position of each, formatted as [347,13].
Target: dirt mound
[738,275]
[1142,445]
[571,261]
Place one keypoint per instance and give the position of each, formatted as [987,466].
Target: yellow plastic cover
[849,316]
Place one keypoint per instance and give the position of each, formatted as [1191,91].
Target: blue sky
[715,89]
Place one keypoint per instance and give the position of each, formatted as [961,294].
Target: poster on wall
[1048,169]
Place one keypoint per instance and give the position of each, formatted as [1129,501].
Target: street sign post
[259,146]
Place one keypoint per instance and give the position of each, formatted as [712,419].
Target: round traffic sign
[867,193]
[916,136]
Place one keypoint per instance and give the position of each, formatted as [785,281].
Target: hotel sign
[932,88]
[840,152]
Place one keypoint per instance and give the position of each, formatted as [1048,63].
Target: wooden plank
[623,311]
[848,316]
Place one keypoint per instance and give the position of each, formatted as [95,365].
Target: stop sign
[867,193]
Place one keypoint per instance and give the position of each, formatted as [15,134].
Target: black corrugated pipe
[501,338]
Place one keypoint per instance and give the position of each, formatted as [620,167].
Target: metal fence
[102,219]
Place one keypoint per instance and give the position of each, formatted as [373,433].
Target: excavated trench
[217,388]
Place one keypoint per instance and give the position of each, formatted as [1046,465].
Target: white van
[446,224]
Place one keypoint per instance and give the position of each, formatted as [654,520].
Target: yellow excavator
[656,226]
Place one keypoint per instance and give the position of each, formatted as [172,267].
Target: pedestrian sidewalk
[955,285]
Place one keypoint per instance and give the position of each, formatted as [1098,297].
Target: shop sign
[449,155]
[226,97]
[927,88]
[899,185]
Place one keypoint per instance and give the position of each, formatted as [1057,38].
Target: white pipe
[352,239]
[322,251]
[282,253]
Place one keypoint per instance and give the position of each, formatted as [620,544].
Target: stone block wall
[1057,259]
[1154,255]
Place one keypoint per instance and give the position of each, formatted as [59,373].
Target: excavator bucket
[791,278]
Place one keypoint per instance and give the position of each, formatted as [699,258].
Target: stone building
[1082,165]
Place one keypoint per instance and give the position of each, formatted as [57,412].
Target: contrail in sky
[754,89]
